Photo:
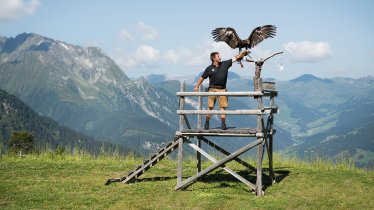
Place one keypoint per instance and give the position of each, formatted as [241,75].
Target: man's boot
[206,126]
[223,124]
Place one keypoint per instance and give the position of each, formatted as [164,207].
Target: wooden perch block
[268,86]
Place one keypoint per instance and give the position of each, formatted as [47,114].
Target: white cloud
[147,53]
[144,56]
[126,35]
[148,32]
[306,51]
[171,56]
[199,55]
[15,9]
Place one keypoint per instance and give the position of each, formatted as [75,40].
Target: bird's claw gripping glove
[242,54]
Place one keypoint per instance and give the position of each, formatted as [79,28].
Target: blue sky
[324,38]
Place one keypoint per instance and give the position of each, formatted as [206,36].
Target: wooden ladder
[148,163]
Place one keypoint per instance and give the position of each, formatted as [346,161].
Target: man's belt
[217,87]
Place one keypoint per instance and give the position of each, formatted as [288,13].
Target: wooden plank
[199,107]
[226,112]
[181,107]
[198,155]
[217,164]
[230,130]
[204,94]
[272,131]
[259,191]
[178,133]
[180,161]
[199,125]
[214,160]
[260,128]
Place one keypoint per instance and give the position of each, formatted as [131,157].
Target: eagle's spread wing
[260,33]
[227,35]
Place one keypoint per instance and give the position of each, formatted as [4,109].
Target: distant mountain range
[83,89]
[18,116]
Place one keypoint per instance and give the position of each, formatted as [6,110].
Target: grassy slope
[78,182]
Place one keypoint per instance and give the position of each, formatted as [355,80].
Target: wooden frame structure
[263,135]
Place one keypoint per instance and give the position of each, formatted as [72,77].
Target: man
[217,73]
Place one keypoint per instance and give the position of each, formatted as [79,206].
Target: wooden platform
[245,132]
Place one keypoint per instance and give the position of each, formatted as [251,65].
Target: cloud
[144,56]
[126,36]
[198,55]
[148,32]
[15,9]
[171,56]
[306,51]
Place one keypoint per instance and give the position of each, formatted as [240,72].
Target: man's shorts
[223,103]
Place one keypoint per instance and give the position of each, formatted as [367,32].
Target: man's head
[215,57]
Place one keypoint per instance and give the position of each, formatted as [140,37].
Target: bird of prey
[230,36]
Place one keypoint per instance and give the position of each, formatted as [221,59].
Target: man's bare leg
[206,127]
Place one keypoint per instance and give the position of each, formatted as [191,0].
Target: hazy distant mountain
[312,110]
[82,88]
[310,78]
[16,116]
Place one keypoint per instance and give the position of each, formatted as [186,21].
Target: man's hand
[196,89]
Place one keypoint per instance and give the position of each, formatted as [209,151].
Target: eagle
[230,36]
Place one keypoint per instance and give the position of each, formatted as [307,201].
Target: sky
[326,38]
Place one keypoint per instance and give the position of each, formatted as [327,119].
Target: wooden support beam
[221,162]
[198,155]
[180,160]
[271,118]
[260,128]
[202,133]
[238,94]
[259,191]
[199,126]
[181,106]
[230,171]
[223,151]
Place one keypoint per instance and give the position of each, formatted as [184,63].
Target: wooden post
[271,171]
[199,126]
[180,161]
[260,129]
[181,106]
[198,155]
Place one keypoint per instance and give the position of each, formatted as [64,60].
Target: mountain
[15,115]
[308,78]
[331,117]
[155,78]
[82,88]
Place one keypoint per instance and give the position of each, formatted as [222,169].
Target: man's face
[217,58]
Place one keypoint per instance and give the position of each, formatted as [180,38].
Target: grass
[77,182]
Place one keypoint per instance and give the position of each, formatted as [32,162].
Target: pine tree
[21,142]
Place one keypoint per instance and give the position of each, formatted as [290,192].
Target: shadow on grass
[219,176]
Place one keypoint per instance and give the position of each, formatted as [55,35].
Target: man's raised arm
[198,84]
